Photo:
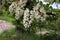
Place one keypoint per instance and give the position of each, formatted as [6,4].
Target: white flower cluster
[18,12]
[28,18]
[43,15]
[39,12]
[17,8]
[12,7]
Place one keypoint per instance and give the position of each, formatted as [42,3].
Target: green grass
[7,35]
[8,19]
[14,34]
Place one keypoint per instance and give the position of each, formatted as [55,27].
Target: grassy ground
[17,35]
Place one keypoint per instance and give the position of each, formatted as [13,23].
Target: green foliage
[51,1]
[51,36]
[5,15]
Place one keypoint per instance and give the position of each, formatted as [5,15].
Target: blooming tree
[29,13]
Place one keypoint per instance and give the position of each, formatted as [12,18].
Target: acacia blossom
[17,8]
[39,12]
[28,18]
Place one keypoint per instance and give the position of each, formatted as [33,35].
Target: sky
[54,5]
